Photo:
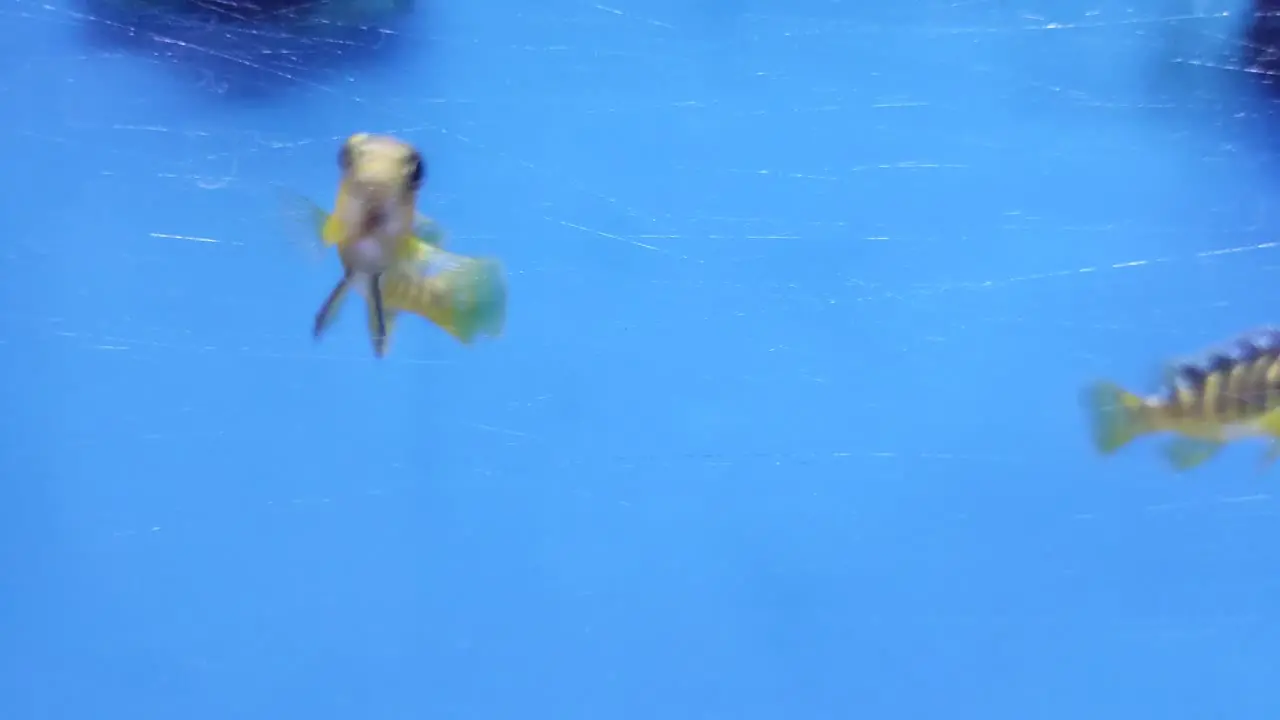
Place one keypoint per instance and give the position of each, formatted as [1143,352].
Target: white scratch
[192,238]
[504,431]
[602,233]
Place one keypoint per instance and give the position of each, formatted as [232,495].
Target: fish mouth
[374,219]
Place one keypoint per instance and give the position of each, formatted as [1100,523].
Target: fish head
[381,177]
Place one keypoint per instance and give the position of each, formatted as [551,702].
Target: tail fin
[466,297]
[1116,415]
[477,306]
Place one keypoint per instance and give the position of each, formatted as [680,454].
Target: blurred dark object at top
[271,11]
[1262,41]
[252,48]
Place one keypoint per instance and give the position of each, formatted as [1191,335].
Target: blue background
[784,423]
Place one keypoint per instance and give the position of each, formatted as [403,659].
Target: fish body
[394,256]
[371,223]
[1231,394]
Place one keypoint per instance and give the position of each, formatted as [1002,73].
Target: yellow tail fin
[466,297]
[1116,414]
[477,293]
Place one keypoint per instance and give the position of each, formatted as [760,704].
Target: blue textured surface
[784,425]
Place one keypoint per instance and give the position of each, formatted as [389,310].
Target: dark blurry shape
[1262,39]
[252,48]
[271,10]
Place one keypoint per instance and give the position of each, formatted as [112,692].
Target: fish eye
[417,170]
[345,157]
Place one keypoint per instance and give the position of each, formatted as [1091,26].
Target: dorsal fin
[1189,373]
[1185,376]
[1267,341]
[1219,363]
[1247,351]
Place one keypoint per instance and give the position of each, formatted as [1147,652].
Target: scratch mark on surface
[192,238]
[602,233]
[1116,266]
[503,431]
[619,13]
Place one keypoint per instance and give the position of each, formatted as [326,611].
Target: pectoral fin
[377,316]
[1270,425]
[1185,453]
[304,223]
[428,231]
[1269,457]
[329,310]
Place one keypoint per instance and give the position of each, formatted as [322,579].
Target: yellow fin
[412,253]
[1269,457]
[466,297]
[1270,426]
[1115,414]
[332,231]
[477,296]
[1185,453]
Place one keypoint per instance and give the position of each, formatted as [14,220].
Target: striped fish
[1227,395]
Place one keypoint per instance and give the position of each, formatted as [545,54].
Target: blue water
[784,424]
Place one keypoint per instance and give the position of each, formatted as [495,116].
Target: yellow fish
[1231,395]
[394,255]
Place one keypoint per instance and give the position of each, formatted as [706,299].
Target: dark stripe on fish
[1228,387]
